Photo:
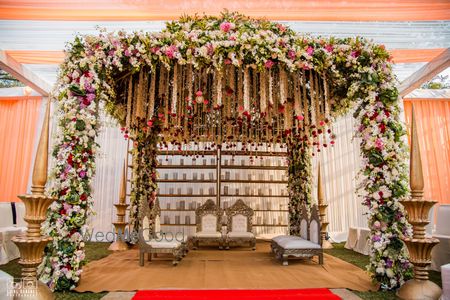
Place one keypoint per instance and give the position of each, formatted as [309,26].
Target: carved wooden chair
[239,225]
[152,240]
[209,225]
[307,245]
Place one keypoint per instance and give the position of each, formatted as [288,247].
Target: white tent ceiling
[53,36]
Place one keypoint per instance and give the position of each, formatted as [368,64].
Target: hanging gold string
[247,89]
[317,94]
[166,97]
[283,85]
[312,98]
[129,101]
[151,102]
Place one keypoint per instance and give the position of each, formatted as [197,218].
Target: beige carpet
[239,268]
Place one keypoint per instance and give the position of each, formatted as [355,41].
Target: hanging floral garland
[209,78]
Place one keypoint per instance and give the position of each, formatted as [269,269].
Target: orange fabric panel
[18,122]
[414,55]
[307,10]
[57,57]
[433,128]
[36,57]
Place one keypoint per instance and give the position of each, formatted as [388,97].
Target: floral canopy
[222,80]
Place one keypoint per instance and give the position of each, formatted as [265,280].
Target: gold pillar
[322,212]
[419,246]
[119,244]
[32,244]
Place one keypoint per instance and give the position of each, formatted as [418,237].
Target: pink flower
[227,61]
[150,123]
[226,26]
[127,52]
[310,50]
[154,49]
[199,93]
[82,174]
[329,48]
[321,123]
[355,53]
[281,28]
[291,54]
[300,118]
[269,64]
[379,144]
[170,51]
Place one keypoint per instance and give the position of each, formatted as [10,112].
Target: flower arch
[222,80]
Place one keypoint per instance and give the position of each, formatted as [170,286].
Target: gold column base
[415,289]
[327,245]
[118,245]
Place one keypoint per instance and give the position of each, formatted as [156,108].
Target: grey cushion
[298,244]
[280,238]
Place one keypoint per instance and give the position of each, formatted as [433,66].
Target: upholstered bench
[307,245]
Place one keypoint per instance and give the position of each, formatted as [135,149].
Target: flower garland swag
[228,78]
[299,183]
[144,186]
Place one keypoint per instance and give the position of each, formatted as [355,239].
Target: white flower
[390,273]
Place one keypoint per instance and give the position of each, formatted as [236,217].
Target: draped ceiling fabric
[331,10]
[18,131]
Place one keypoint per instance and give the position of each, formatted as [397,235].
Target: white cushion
[279,238]
[298,244]
[304,229]
[314,231]
[208,234]
[240,234]
[163,244]
[239,223]
[209,223]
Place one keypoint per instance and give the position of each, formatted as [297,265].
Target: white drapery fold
[339,168]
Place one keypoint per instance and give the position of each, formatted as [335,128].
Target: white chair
[239,225]
[309,243]
[440,255]
[8,250]
[152,241]
[445,273]
[443,220]
[209,225]
[20,214]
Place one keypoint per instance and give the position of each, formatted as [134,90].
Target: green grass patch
[94,251]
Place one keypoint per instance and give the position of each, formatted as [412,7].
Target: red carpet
[304,294]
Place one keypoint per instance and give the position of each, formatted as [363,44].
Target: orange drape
[307,10]
[57,57]
[433,128]
[18,122]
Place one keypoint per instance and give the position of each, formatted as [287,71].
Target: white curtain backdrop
[106,183]
[339,169]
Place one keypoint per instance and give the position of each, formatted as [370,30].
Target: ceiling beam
[23,74]
[426,73]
